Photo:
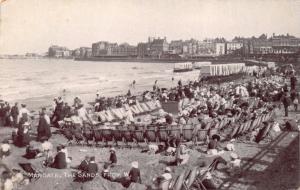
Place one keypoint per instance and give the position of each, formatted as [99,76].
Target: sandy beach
[267,165]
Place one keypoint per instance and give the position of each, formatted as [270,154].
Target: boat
[183,67]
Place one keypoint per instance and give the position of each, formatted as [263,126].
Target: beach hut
[198,65]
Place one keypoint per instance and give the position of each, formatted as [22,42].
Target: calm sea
[49,78]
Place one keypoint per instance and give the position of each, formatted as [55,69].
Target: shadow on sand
[281,173]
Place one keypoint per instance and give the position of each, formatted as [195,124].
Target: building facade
[220,48]
[142,50]
[232,47]
[59,52]
[157,47]
[176,47]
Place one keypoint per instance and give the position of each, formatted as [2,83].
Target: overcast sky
[34,25]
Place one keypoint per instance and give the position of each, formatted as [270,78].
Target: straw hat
[135,164]
[234,155]
[5,147]
[112,149]
[26,123]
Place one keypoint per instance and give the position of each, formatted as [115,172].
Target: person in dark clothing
[88,170]
[285,87]
[169,119]
[14,114]
[262,132]
[58,114]
[286,101]
[59,160]
[84,164]
[113,156]
[31,152]
[43,129]
[22,137]
[66,110]
[296,101]
[7,121]
[179,83]
[293,82]
[92,169]
[134,174]
[83,169]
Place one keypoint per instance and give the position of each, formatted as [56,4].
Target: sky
[34,25]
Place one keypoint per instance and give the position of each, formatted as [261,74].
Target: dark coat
[22,139]
[92,169]
[59,161]
[213,145]
[135,175]
[43,129]
[286,101]
[83,166]
[113,158]
[14,111]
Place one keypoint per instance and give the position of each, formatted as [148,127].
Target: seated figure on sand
[182,154]
[213,147]
[162,182]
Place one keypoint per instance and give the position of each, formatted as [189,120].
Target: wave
[91,78]
[25,79]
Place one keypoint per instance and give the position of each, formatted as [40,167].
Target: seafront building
[160,48]
[59,52]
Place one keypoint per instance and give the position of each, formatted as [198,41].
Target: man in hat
[59,160]
[84,164]
[92,169]
[286,101]
[134,173]
[43,129]
[113,156]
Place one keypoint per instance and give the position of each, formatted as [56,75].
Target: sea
[44,79]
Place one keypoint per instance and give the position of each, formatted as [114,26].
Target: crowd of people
[200,105]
